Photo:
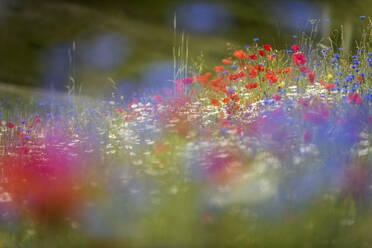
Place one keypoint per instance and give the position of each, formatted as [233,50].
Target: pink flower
[158,98]
[308,136]
[277,97]
[370,120]
[188,80]
[354,98]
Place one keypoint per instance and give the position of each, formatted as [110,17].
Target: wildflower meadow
[269,148]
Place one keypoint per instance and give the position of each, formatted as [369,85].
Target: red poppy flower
[253,56]
[305,69]
[272,77]
[37,120]
[227,61]
[233,77]
[360,79]
[240,54]
[204,78]
[259,67]
[354,98]
[299,59]
[215,102]
[316,116]
[311,76]
[158,98]
[188,80]
[268,47]
[251,86]
[120,110]
[219,68]
[168,92]
[10,125]
[296,48]
[252,73]
[330,86]
[261,52]
[235,97]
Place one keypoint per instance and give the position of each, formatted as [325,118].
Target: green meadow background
[44,44]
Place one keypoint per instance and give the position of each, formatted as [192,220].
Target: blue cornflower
[340,49]
[337,55]
[349,78]
[234,66]
[269,101]
[334,60]
[294,36]
[324,52]
[289,51]
[256,39]
[356,61]
[362,17]
[247,47]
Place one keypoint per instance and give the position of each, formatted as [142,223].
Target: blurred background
[127,44]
